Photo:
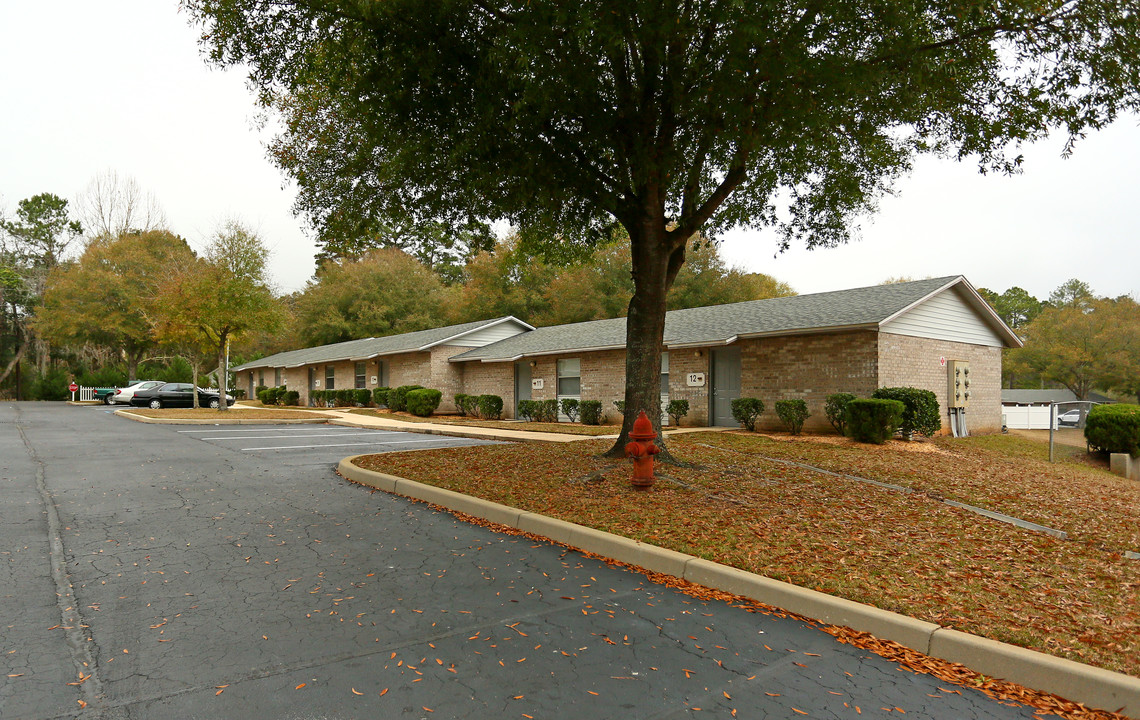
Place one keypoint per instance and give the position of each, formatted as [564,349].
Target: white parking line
[298,447]
[310,435]
[230,430]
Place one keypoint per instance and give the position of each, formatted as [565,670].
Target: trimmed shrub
[836,410]
[746,410]
[316,398]
[345,397]
[380,396]
[490,407]
[526,410]
[468,405]
[677,409]
[591,411]
[874,420]
[461,403]
[921,414]
[423,402]
[398,397]
[256,391]
[289,397]
[362,396]
[1114,428]
[547,411]
[570,409]
[792,413]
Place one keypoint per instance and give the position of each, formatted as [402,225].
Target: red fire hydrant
[642,451]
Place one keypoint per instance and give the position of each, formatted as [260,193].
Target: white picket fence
[86,393]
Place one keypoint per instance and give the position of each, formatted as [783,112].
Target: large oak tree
[668,117]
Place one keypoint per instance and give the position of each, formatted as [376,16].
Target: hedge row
[277,395]
[346,397]
[486,407]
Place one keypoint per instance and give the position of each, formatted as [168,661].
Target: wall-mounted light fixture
[534,363]
[700,353]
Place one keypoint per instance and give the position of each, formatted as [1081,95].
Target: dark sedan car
[175,395]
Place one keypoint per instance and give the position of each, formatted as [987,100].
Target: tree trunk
[194,368]
[223,371]
[133,359]
[657,256]
[15,363]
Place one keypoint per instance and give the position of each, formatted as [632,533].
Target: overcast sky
[121,85]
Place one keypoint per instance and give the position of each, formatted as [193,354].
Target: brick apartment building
[805,346]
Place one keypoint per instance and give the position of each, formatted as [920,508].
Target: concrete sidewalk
[346,417]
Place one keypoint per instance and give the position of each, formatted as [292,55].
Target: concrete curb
[227,421]
[1075,681]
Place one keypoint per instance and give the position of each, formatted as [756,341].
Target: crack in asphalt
[75,626]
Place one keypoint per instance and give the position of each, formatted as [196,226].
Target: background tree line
[114,295]
[1073,339]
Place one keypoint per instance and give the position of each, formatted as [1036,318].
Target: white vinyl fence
[1026,417]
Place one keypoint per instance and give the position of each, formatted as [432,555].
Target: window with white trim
[569,377]
[330,377]
[361,378]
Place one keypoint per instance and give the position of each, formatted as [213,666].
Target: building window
[330,377]
[261,378]
[276,377]
[664,374]
[361,379]
[570,377]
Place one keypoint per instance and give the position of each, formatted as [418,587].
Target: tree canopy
[385,292]
[665,118]
[107,297]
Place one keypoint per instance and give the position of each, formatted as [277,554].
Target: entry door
[522,384]
[725,384]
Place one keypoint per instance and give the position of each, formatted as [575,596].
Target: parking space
[317,444]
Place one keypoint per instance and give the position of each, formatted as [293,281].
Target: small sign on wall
[536,384]
[373,379]
[695,379]
[316,384]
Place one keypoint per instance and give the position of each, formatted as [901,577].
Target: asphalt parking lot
[151,572]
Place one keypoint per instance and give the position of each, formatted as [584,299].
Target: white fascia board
[829,330]
[701,344]
[491,324]
[566,351]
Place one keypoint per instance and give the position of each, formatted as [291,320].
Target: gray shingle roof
[716,324]
[368,347]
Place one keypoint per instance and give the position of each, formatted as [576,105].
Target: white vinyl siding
[664,387]
[486,336]
[945,316]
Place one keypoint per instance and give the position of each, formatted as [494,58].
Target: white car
[1071,418]
[124,396]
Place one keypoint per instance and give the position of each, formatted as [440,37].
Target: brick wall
[808,367]
[907,361]
[447,377]
[681,363]
[409,369]
[491,379]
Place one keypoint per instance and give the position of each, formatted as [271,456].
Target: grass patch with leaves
[742,504]
[564,428]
